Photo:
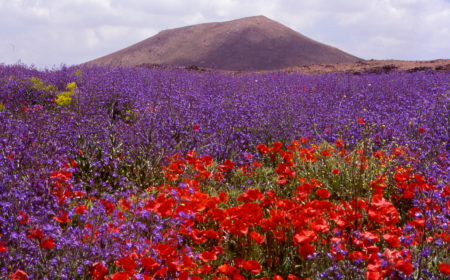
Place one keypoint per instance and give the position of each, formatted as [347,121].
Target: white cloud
[48,32]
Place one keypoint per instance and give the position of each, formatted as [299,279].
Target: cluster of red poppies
[282,232]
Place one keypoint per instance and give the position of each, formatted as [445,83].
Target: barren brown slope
[253,43]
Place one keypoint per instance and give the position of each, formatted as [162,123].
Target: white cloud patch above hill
[48,33]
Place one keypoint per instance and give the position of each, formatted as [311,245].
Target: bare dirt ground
[356,68]
[374,66]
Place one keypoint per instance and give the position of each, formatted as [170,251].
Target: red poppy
[444,268]
[23,218]
[227,270]
[211,234]
[252,266]
[47,243]
[392,240]
[277,277]
[227,165]
[259,238]
[256,164]
[188,263]
[323,193]
[422,129]
[2,247]
[339,143]
[263,149]
[121,275]
[36,234]
[325,153]
[81,209]
[276,146]
[62,218]
[404,266]
[127,263]
[304,236]
[98,271]
[319,225]
[208,256]
[19,275]
[184,275]
[251,195]
[165,208]
[361,121]
[306,249]
[335,171]
[195,127]
[382,211]
[149,263]
[355,255]
[160,272]
[373,275]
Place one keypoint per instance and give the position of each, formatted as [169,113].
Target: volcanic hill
[252,43]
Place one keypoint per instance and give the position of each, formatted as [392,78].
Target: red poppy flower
[276,146]
[373,275]
[24,218]
[355,255]
[227,165]
[62,218]
[361,121]
[36,234]
[149,263]
[47,243]
[320,225]
[263,149]
[208,256]
[256,164]
[392,240]
[444,268]
[98,271]
[160,272]
[323,193]
[195,127]
[251,195]
[121,275]
[127,263]
[304,236]
[306,249]
[81,209]
[252,266]
[422,129]
[227,270]
[2,247]
[259,238]
[19,275]
[405,267]
[211,234]
[188,263]
[277,277]
[165,208]
[339,143]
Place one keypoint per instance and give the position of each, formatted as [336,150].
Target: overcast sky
[49,33]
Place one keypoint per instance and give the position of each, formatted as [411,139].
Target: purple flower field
[78,145]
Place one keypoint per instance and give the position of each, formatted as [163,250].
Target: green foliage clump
[38,84]
[64,99]
[2,107]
